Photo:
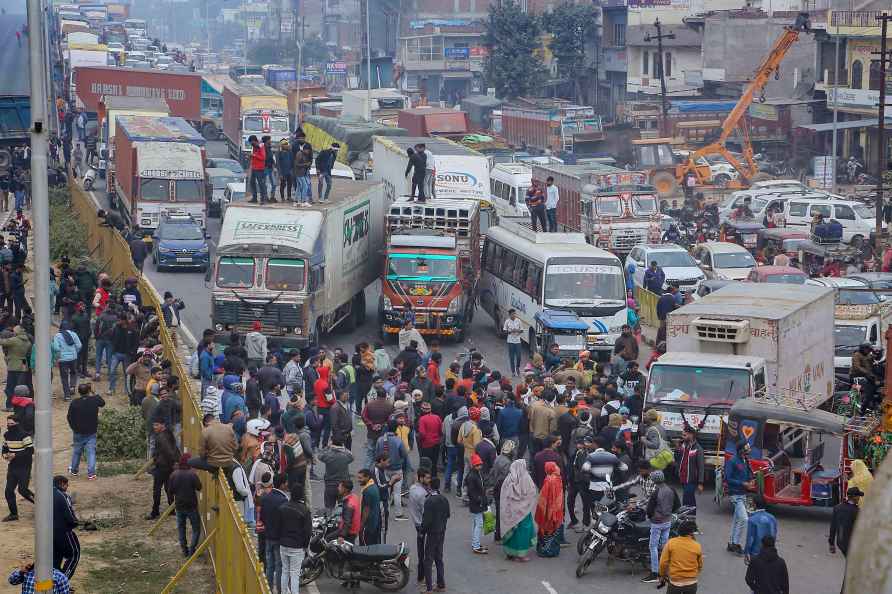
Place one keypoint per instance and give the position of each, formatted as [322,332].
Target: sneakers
[11,518]
[481,551]
[400,518]
[650,578]
[91,477]
[734,548]
[153,516]
[72,472]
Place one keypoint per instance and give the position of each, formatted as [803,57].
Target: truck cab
[621,217]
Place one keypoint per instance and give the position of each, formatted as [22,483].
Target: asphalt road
[802,535]
[13,58]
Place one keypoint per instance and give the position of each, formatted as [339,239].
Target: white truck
[300,272]
[854,325]
[384,108]
[457,172]
[744,340]
[109,109]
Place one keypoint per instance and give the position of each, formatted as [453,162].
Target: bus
[508,183]
[138,24]
[532,271]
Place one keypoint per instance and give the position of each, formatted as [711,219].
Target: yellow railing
[232,549]
[647,302]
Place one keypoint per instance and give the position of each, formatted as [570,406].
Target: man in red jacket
[258,168]
[324,397]
[430,432]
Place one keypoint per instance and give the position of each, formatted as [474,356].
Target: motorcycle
[89,178]
[623,531]
[384,566]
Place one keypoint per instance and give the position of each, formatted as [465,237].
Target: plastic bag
[489,522]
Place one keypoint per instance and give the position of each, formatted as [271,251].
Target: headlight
[164,250]
[454,306]
[203,249]
[218,327]
[297,330]
[386,303]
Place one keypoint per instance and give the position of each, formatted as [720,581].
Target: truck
[109,110]
[256,110]
[15,113]
[385,105]
[354,136]
[281,78]
[619,217]
[159,171]
[854,325]
[300,272]
[745,340]
[212,86]
[181,90]
[80,55]
[457,171]
[432,262]
[552,125]
[434,121]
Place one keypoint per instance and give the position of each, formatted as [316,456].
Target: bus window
[513,200]
[520,273]
[507,265]
[534,277]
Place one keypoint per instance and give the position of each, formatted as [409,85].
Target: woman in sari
[517,500]
[550,512]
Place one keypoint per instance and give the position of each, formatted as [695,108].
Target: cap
[184,459]
[476,460]
[417,393]
[256,326]
[854,492]
[657,476]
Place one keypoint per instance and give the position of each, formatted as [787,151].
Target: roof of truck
[707,359]
[579,170]
[438,146]
[118,102]
[163,129]
[757,300]
[169,160]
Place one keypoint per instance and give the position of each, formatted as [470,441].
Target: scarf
[518,496]
[861,477]
[550,509]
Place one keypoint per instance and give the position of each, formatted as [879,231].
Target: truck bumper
[427,323]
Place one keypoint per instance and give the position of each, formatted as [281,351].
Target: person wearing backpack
[662,504]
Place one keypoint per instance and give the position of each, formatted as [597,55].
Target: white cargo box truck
[745,340]
[299,271]
[458,172]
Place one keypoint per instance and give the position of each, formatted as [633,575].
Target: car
[847,290]
[217,180]
[234,192]
[679,267]
[180,242]
[709,286]
[721,260]
[881,281]
[777,274]
[721,172]
[230,164]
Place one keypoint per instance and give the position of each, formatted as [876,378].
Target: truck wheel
[665,183]
[209,131]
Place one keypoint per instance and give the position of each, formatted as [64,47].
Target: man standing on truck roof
[417,165]
[428,168]
[286,170]
[258,169]
[270,166]
[325,161]
[551,203]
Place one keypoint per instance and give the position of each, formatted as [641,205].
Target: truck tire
[665,183]
[209,131]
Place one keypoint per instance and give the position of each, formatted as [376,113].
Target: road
[14,58]
[803,532]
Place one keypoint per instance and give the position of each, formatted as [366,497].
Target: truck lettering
[118,90]
[457,178]
[678,329]
[356,238]
[257,227]
[356,227]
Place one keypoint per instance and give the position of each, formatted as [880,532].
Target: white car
[724,261]
[234,192]
[680,268]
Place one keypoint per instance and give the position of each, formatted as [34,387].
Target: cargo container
[386,104]
[80,55]
[212,104]
[434,121]
[355,138]
[281,78]
[181,90]
[744,340]
[110,108]
[299,272]
[256,110]
[159,170]
[550,124]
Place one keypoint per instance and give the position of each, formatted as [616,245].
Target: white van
[858,220]
[762,200]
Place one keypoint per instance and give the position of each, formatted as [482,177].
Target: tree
[570,25]
[271,52]
[512,37]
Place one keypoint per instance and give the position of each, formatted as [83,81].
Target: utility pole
[664,100]
[881,133]
[43,410]
[835,116]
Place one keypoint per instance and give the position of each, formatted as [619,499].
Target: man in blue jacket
[286,169]
[508,420]
[206,365]
[759,525]
[739,478]
[398,459]
[654,277]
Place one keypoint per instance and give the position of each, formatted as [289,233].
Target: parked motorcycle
[384,566]
[624,532]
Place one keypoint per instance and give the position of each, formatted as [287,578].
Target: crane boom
[766,69]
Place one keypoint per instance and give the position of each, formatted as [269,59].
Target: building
[681,56]
[612,57]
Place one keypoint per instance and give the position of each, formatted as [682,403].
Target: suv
[180,242]
[680,268]
[217,180]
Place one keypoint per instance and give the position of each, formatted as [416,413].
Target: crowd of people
[288,166]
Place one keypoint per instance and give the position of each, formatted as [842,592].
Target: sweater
[83,414]
[681,560]
[337,464]
[435,515]
[296,524]
[767,573]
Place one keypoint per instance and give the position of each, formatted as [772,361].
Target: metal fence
[647,302]
[232,551]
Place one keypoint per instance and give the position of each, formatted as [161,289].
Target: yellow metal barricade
[647,302]
[232,550]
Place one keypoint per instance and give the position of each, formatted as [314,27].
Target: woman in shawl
[517,500]
[861,478]
[550,512]
[500,469]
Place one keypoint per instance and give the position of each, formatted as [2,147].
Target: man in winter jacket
[341,420]
[767,572]
[164,459]
[255,345]
[83,418]
[269,503]
[270,166]
[433,524]
[337,461]
[258,169]
[477,503]
[18,451]
[430,434]
[662,504]
[184,487]
[103,329]
[296,521]
[759,525]
[398,459]
[325,161]
[691,468]
[17,351]
[286,170]
[739,478]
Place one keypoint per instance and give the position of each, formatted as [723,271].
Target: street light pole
[300,63]
[368,62]
[835,97]
[43,410]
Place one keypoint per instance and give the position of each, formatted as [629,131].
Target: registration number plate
[184,260]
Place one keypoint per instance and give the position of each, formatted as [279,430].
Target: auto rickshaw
[779,240]
[743,233]
[788,448]
[565,329]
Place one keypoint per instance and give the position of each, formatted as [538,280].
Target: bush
[66,230]
[121,434]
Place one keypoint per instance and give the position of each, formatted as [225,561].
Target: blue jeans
[273,565]
[688,498]
[258,183]
[452,454]
[738,525]
[103,351]
[195,519]
[659,534]
[117,358]
[269,176]
[19,199]
[79,443]
[551,215]
[304,190]
[476,530]
[323,177]
[324,420]
[514,357]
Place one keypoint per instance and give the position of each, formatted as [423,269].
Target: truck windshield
[847,339]
[255,124]
[644,205]
[787,279]
[188,190]
[610,206]
[844,297]
[421,267]
[583,282]
[696,385]
[285,274]
[235,273]
[154,189]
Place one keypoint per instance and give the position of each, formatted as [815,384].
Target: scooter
[89,178]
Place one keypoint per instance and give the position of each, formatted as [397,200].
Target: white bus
[508,185]
[530,272]
[138,24]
